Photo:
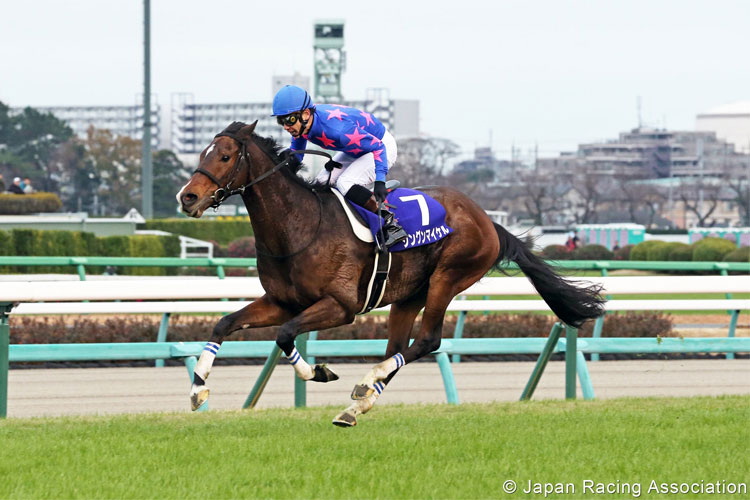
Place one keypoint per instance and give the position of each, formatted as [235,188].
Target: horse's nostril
[189,198]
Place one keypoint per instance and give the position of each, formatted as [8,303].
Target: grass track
[436,451]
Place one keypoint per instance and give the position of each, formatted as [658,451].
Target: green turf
[436,451]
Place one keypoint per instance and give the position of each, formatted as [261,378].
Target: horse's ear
[248,129]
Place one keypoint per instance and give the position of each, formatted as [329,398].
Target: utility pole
[699,152]
[147,181]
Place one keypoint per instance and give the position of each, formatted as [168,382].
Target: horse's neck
[281,212]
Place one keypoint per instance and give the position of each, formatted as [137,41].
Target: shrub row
[17,204]
[32,242]
[586,252]
[220,231]
[705,250]
[83,329]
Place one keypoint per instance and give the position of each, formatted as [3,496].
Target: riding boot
[393,231]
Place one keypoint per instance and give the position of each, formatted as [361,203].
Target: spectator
[2,184]
[27,187]
[15,188]
[569,245]
[576,241]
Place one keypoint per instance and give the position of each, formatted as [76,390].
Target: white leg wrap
[206,361]
[303,369]
[382,370]
[361,406]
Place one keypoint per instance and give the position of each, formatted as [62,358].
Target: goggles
[288,120]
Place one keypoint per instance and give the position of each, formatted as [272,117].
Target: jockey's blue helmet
[291,99]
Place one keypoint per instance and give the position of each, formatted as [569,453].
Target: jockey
[365,148]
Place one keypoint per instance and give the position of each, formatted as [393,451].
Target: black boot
[394,233]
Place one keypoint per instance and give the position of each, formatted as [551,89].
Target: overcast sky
[554,73]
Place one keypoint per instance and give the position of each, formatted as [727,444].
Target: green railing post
[571,348]
[583,376]
[451,392]
[81,272]
[598,325]
[5,308]
[732,328]
[220,272]
[265,375]
[458,332]
[541,362]
[300,386]
[313,336]
[162,335]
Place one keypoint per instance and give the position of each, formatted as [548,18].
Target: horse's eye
[225,158]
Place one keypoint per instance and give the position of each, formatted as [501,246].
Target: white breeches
[358,170]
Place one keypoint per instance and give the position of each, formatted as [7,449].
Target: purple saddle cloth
[421,216]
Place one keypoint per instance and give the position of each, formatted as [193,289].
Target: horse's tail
[572,304]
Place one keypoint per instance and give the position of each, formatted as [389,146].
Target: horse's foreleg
[262,312]
[326,313]
[400,322]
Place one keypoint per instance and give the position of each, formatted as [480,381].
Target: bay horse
[315,272]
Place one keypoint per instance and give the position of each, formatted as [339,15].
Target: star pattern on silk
[326,141]
[356,137]
[367,117]
[374,140]
[336,113]
[376,154]
[355,151]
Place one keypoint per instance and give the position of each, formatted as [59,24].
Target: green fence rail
[80,263]
[573,347]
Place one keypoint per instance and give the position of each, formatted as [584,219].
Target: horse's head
[223,170]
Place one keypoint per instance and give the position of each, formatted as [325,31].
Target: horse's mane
[278,154]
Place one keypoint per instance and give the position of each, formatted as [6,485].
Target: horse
[315,272]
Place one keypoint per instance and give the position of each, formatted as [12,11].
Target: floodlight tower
[330,59]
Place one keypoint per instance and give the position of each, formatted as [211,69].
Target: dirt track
[129,390]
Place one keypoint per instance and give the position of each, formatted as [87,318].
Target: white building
[120,120]
[731,122]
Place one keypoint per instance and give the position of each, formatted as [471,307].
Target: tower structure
[330,59]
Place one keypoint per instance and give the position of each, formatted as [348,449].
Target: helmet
[291,99]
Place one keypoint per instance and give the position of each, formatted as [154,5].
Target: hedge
[662,250]
[32,242]
[640,251]
[22,204]
[681,252]
[712,249]
[739,255]
[556,252]
[220,231]
[593,252]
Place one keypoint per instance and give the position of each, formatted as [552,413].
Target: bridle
[222,193]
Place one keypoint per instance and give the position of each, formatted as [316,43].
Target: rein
[222,193]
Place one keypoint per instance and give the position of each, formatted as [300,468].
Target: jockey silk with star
[366,148]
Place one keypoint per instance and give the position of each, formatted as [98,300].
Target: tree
[28,142]
[738,184]
[169,175]
[643,201]
[701,198]
[424,160]
[117,163]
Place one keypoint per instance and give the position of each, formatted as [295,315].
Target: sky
[510,74]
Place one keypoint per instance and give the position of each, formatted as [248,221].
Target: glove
[380,191]
[331,164]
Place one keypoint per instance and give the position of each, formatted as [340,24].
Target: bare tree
[701,198]
[642,201]
[424,160]
[738,184]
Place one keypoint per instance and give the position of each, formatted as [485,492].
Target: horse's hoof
[344,419]
[324,374]
[362,391]
[198,396]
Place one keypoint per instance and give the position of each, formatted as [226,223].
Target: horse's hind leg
[326,313]
[262,312]
[400,322]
